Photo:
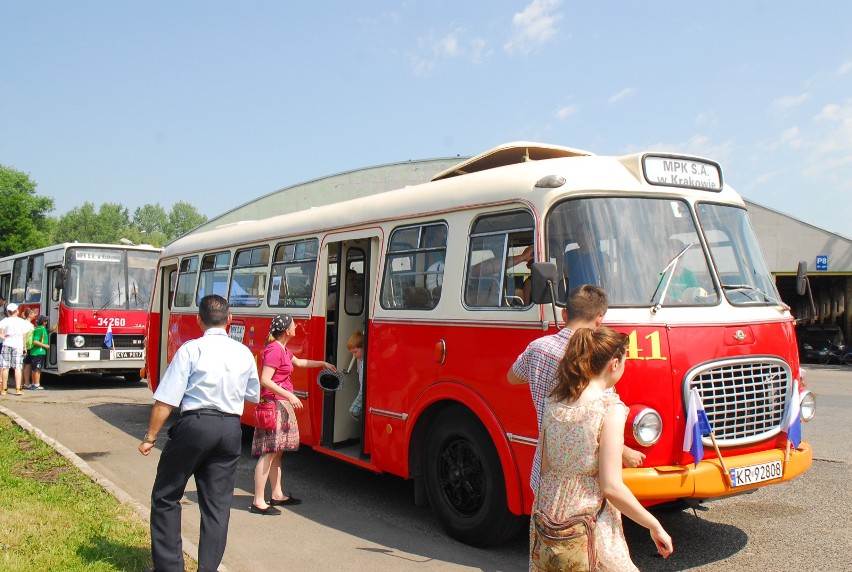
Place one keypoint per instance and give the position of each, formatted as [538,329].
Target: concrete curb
[188,547]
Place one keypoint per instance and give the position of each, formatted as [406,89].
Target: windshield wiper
[673,266]
[750,290]
[108,302]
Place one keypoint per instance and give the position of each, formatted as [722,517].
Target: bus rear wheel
[464,481]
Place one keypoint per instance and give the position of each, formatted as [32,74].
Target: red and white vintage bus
[430,273]
[86,290]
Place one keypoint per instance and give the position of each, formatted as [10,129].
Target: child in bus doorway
[356,346]
[38,353]
[269,445]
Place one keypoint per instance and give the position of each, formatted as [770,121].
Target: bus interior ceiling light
[550,182]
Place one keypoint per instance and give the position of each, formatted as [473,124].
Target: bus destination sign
[97,256]
[672,171]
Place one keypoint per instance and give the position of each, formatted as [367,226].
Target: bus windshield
[102,278]
[736,254]
[630,246]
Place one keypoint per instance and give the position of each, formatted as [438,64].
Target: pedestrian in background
[210,378]
[13,330]
[38,353]
[29,315]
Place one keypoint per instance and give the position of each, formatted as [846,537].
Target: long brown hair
[588,353]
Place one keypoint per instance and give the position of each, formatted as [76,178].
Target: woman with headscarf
[276,385]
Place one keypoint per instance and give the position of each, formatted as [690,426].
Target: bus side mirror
[544,279]
[802,278]
[803,286]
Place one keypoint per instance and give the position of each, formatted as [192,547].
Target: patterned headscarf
[280,323]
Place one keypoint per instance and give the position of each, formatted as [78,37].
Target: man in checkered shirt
[538,365]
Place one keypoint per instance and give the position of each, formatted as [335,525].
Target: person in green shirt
[38,353]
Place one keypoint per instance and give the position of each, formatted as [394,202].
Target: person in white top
[13,330]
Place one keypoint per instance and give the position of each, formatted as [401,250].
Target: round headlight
[647,427]
[79,341]
[807,406]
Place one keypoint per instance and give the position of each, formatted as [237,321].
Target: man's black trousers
[206,444]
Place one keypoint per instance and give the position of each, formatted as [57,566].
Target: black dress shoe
[290,501]
[270,510]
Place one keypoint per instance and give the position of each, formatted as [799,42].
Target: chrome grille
[96,341]
[744,398]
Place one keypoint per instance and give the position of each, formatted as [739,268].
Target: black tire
[824,359]
[464,480]
[133,377]
[847,359]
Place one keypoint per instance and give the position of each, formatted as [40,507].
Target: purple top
[279,357]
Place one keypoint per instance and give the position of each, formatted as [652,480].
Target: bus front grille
[96,342]
[744,398]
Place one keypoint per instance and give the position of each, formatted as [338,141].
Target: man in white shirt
[13,330]
[210,378]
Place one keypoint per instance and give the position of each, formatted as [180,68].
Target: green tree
[150,219]
[183,218]
[24,223]
[83,224]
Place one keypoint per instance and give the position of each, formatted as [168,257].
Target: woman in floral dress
[582,436]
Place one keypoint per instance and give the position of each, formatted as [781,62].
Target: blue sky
[216,103]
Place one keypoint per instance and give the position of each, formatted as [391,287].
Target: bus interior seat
[417,298]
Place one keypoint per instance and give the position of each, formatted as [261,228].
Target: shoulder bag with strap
[565,547]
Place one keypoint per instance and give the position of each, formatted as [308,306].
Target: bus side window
[214,275]
[248,280]
[294,266]
[414,271]
[186,282]
[36,275]
[499,249]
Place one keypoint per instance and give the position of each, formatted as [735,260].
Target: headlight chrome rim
[647,419]
[807,405]
[78,341]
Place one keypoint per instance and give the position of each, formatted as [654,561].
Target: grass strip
[53,517]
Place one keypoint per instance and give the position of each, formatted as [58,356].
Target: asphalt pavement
[355,520]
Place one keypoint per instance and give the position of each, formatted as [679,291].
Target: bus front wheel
[464,480]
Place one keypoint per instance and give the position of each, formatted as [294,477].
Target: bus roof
[510,154]
[510,180]
[65,245]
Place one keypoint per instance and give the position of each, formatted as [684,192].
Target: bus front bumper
[709,480]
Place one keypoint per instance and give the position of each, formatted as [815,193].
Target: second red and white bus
[431,275]
[86,290]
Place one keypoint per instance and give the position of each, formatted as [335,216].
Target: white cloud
[706,118]
[792,137]
[479,51]
[534,26]
[452,45]
[788,102]
[698,144]
[844,68]
[622,94]
[566,111]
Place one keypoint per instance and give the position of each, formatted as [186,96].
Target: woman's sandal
[270,510]
[289,501]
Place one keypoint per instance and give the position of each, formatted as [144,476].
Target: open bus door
[350,275]
[51,309]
